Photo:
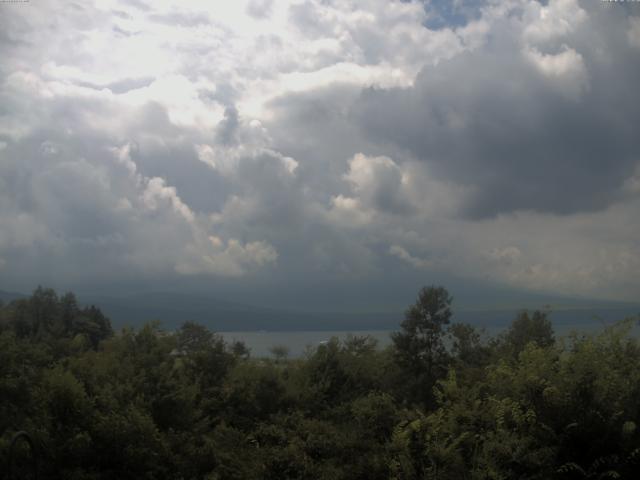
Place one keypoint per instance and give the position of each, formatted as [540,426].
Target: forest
[443,401]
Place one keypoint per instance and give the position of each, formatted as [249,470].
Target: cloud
[506,255]
[242,147]
[259,8]
[101,212]
[633,33]
[566,67]
[156,191]
[632,184]
[527,125]
[331,145]
[349,212]
[232,259]
[555,20]
[379,182]
[402,254]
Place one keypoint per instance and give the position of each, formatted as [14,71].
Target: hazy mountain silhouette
[7,297]
[173,309]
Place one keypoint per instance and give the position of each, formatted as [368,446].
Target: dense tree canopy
[442,402]
[420,348]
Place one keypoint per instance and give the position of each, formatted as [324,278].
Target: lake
[299,341]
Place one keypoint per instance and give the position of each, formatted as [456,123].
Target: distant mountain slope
[172,309]
[7,297]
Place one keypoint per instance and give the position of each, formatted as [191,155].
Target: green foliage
[280,352]
[419,347]
[535,328]
[153,404]
[54,320]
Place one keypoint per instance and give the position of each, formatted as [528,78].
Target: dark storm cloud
[290,150]
[318,128]
[490,120]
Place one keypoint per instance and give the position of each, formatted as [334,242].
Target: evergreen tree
[420,348]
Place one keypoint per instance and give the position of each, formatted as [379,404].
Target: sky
[321,153]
